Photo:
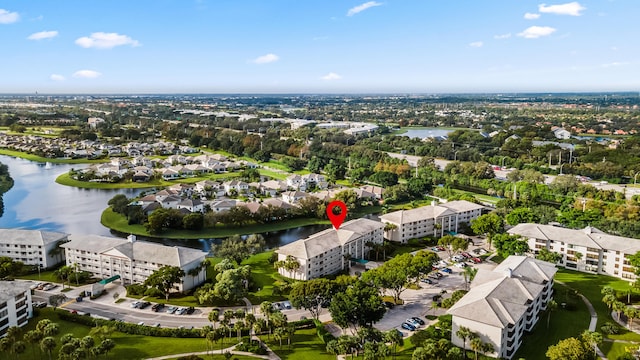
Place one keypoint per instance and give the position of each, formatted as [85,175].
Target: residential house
[193,205]
[292,197]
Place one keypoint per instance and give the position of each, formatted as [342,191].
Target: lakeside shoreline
[40,159]
[117,222]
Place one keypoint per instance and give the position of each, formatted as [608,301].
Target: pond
[37,202]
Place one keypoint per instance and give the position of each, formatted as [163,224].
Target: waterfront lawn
[264,277]
[119,223]
[273,174]
[65,179]
[37,158]
[127,346]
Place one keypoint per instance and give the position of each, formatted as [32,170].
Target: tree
[33,337]
[311,295]
[238,249]
[384,178]
[57,300]
[214,316]
[549,256]
[394,337]
[47,345]
[464,333]
[631,313]
[593,338]
[359,305]
[107,345]
[164,279]
[63,273]
[476,345]
[568,349]
[9,267]
[230,284]
[618,306]
[488,224]
[119,203]
[551,307]
[193,221]
[102,332]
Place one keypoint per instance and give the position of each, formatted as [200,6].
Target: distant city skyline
[285,46]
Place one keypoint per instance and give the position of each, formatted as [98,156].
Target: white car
[136,304]
[461,265]
[49,287]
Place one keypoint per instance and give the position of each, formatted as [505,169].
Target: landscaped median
[119,223]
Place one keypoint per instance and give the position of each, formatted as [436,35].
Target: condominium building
[588,250]
[32,247]
[331,251]
[15,304]
[132,260]
[504,303]
[433,220]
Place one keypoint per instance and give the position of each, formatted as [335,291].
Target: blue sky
[311,46]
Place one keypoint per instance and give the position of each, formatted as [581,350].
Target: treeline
[6,183]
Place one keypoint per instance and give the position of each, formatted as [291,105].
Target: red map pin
[336,219]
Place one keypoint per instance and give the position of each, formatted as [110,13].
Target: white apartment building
[15,304]
[600,253]
[132,260]
[504,303]
[330,251]
[32,247]
[433,220]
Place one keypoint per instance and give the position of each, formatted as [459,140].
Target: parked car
[461,265]
[389,304]
[41,286]
[35,286]
[418,320]
[49,287]
[466,254]
[435,249]
[181,311]
[171,309]
[136,304]
[141,323]
[286,305]
[458,258]
[476,260]
[432,276]
[412,322]
[426,280]
[157,307]
[39,304]
[190,310]
[408,326]
[441,248]
[438,274]
[144,305]
[446,270]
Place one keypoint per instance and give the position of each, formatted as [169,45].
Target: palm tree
[464,333]
[618,306]
[47,345]
[395,338]
[609,299]
[469,273]
[593,338]
[250,319]
[63,274]
[631,313]
[266,307]
[33,337]
[551,307]
[214,316]
[290,330]
[476,345]
[258,327]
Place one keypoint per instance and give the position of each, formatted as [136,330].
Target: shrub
[153,292]
[252,346]
[190,357]
[610,328]
[136,289]
[322,333]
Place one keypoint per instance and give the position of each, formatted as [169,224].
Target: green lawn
[305,345]
[564,324]
[119,223]
[37,158]
[273,174]
[127,346]
[265,276]
[45,276]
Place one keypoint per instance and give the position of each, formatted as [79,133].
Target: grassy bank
[119,223]
[32,157]
[65,179]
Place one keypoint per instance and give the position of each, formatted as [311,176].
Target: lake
[425,132]
[37,202]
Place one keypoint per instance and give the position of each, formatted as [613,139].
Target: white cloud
[56,77]
[531,16]
[7,17]
[572,8]
[614,64]
[86,74]
[331,76]
[265,59]
[101,40]
[476,44]
[502,36]
[535,32]
[43,35]
[362,7]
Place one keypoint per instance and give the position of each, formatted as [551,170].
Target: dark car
[191,310]
[408,326]
[157,307]
[427,281]
[436,298]
[389,304]
[447,270]
[418,320]
[144,304]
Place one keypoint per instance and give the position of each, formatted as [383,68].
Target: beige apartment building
[587,250]
[504,303]
[32,247]
[330,251]
[132,260]
[433,220]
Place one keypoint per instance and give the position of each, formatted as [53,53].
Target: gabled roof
[30,237]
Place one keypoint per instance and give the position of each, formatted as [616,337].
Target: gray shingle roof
[10,289]
[30,237]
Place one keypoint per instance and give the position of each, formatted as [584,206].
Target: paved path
[593,322]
